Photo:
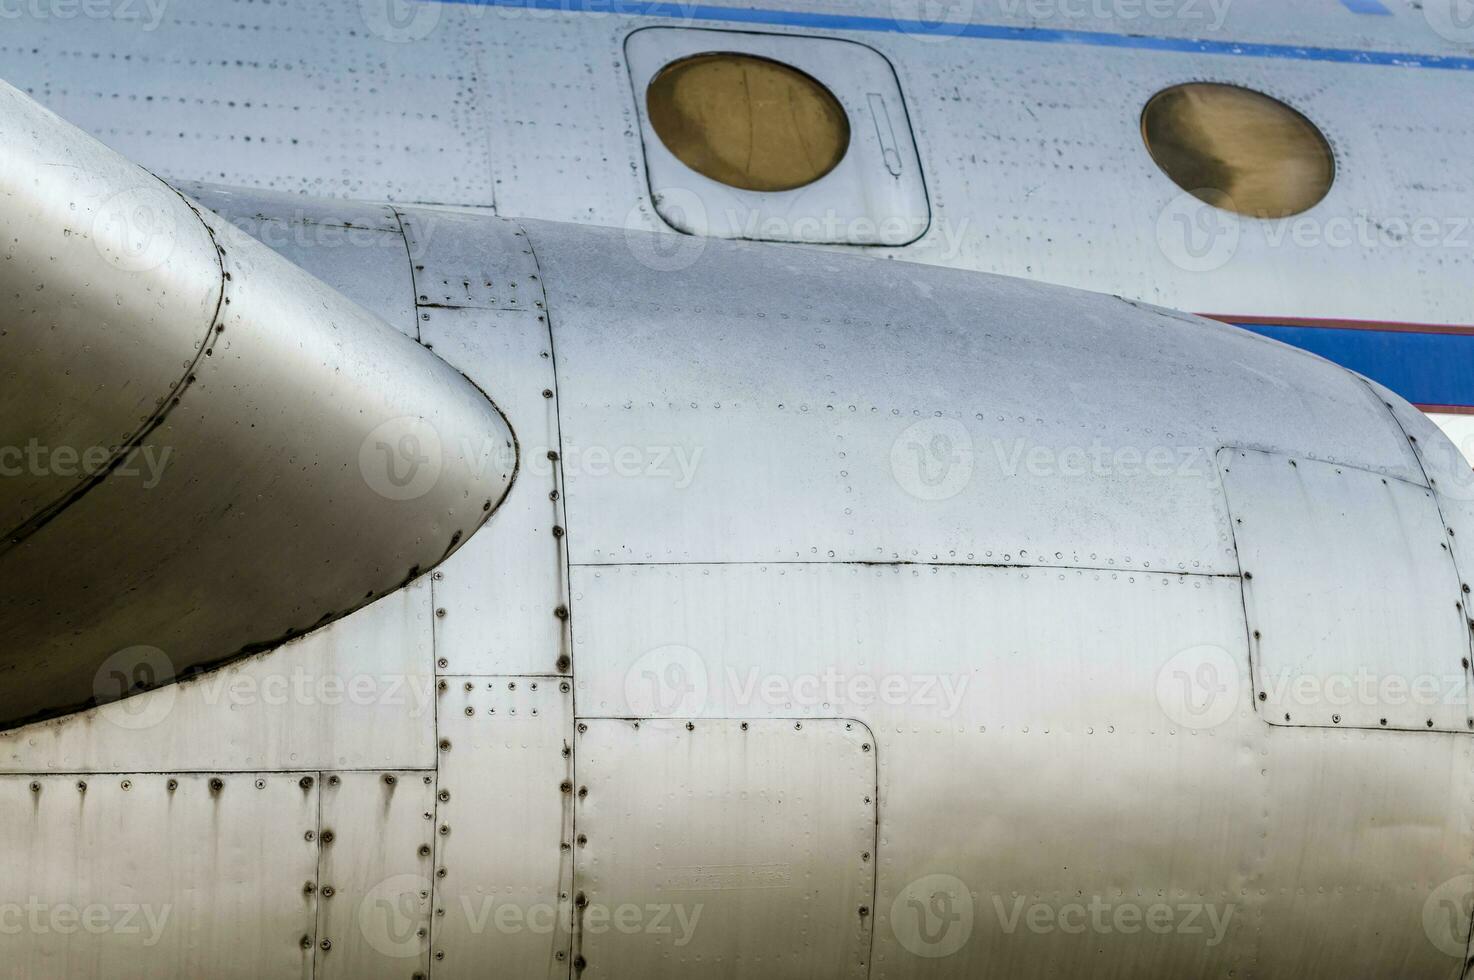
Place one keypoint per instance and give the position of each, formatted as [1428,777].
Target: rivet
[327,836]
[126,784]
[35,787]
[561,612]
[390,779]
[424,850]
[81,786]
[306,942]
[547,393]
[557,531]
[445,745]
[216,785]
[440,872]
[173,785]
[1263,696]
[583,791]
[327,944]
[1336,719]
[440,613]
[333,780]
[327,891]
[445,830]
[305,782]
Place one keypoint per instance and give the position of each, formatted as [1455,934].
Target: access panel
[740,849]
[1353,603]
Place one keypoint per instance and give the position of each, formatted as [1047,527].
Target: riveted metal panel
[303,433]
[901,417]
[145,875]
[989,697]
[745,848]
[356,248]
[464,258]
[358,693]
[504,828]
[375,876]
[1351,593]
[501,601]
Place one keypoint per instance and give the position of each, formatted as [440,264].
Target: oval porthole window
[1238,149]
[748,122]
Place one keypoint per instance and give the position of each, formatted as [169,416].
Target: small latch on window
[886,134]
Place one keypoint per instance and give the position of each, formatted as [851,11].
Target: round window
[748,122]
[1238,149]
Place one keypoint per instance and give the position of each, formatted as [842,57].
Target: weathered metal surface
[375,875]
[504,852]
[502,602]
[105,875]
[903,416]
[744,849]
[1033,154]
[356,248]
[472,260]
[1351,594]
[356,694]
[874,196]
[999,693]
[277,426]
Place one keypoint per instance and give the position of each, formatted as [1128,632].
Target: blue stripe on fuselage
[1424,368]
[695,12]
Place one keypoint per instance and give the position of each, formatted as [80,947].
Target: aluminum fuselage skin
[949,665]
